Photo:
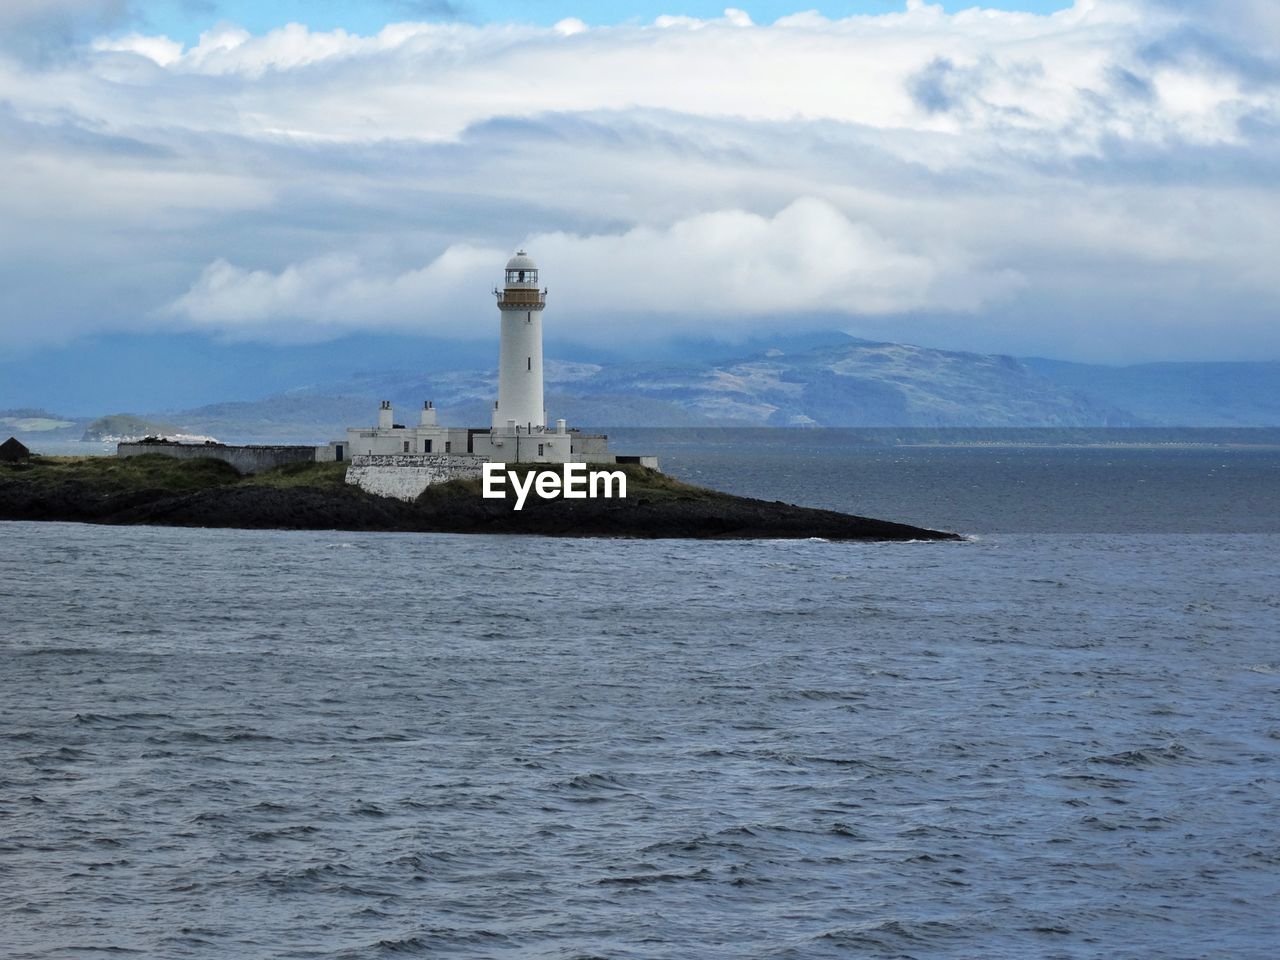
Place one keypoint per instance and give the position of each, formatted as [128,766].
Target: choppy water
[992,488]
[254,744]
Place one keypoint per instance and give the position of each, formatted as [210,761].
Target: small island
[160,490]
[425,477]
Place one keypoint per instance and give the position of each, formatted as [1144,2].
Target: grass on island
[121,474]
[158,472]
[329,475]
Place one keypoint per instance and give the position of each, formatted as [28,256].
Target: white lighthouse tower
[520,409]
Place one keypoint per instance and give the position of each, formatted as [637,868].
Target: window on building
[448,446]
[426,446]
[406,446]
[540,446]
[529,364]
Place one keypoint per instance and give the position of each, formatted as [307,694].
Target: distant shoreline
[1135,445]
[888,438]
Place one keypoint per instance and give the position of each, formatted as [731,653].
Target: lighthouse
[411,457]
[520,409]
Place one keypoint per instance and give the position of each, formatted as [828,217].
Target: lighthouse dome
[522,271]
[521,261]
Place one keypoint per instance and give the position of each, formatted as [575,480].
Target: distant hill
[856,384]
[1245,394]
[34,421]
[39,426]
[827,380]
[841,382]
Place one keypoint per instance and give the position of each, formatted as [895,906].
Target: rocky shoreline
[205,493]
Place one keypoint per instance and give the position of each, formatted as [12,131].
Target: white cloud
[160,50]
[570,26]
[998,179]
[434,80]
[335,294]
[730,263]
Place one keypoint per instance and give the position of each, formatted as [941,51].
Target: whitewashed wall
[405,476]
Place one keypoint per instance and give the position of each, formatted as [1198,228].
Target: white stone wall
[592,448]
[405,476]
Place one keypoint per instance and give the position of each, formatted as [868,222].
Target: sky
[186,19]
[1093,180]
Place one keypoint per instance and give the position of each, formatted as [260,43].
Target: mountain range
[829,380]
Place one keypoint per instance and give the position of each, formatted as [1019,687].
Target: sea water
[1059,739]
